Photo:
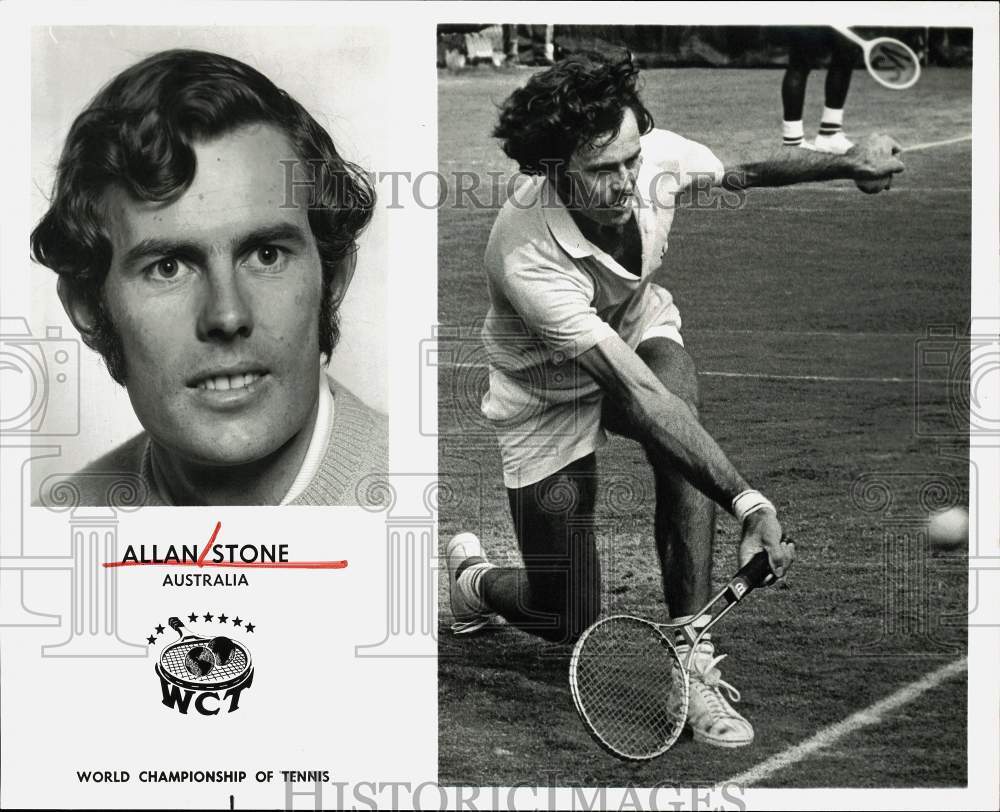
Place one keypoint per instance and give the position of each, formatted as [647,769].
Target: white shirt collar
[569,236]
[317,443]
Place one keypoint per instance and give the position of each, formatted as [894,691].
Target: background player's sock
[831,137]
[832,121]
[792,133]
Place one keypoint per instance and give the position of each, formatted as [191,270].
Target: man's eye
[270,258]
[268,255]
[166,268]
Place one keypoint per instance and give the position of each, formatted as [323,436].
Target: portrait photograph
[209,264]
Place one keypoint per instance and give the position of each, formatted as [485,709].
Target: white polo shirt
[554,295]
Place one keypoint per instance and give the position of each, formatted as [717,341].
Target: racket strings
[631,687]
[172,661]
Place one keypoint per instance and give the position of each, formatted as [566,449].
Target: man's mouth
[225,380]
[229,381]
[622,202]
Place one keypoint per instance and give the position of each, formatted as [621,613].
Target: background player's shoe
[711,718]
[801,145]
[468,608]
[837,143]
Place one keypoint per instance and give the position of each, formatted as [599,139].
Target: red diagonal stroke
[211,541]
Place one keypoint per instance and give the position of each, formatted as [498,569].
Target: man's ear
[342,274]
[81,309]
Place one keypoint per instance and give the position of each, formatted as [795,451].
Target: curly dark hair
[139,132]
[572,104]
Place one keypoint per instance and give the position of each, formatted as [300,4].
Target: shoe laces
[705,670]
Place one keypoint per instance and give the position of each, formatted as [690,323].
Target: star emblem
[250,627]
[151,640]
[159,629]
[237,621]
[223,618]
[192,617]
[208,617]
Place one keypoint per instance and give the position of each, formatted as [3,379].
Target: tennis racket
[203,663]
[890,62]
[628,682]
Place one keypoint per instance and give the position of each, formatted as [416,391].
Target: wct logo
[207,673]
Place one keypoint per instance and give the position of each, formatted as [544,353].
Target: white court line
[871,715]
[761,376]
[833,333]
[835,378]
[932,144]
[826,188]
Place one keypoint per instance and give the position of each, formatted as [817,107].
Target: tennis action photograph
[708,514]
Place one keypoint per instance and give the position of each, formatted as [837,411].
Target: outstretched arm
[871,163]
[665,422]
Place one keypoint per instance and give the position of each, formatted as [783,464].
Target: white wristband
[750,502]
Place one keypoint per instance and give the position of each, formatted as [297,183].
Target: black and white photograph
[498,406]
[775,412]
[204,204]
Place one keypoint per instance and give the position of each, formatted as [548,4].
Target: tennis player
[569,264]
[805,45]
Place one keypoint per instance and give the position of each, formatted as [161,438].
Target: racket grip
[175,624]
[756,572]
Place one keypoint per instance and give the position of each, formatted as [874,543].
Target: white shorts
[554,437]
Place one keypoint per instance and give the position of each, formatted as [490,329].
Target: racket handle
[753,574]
[175,624]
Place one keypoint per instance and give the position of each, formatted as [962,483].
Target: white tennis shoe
[836,144]
[711,718]
[468,608]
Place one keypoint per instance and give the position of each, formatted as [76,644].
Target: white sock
[792,133]
[831,122]
[470,581]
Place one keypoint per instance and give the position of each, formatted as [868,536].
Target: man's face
[602,178]
[216,298]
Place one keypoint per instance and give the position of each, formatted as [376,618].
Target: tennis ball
[222,648]
[949,529]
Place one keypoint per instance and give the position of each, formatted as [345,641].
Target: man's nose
[225,311]
[622,179]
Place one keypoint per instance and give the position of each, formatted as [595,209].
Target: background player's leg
[838,82]
[685,517]
[838,79]
[793,88]
[558,592]
[793,94]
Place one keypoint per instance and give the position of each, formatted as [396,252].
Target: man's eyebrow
[279,232]
[613,164]
[160,247]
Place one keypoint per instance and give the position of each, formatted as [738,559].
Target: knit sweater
[358,447]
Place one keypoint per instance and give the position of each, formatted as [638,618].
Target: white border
[418,296]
